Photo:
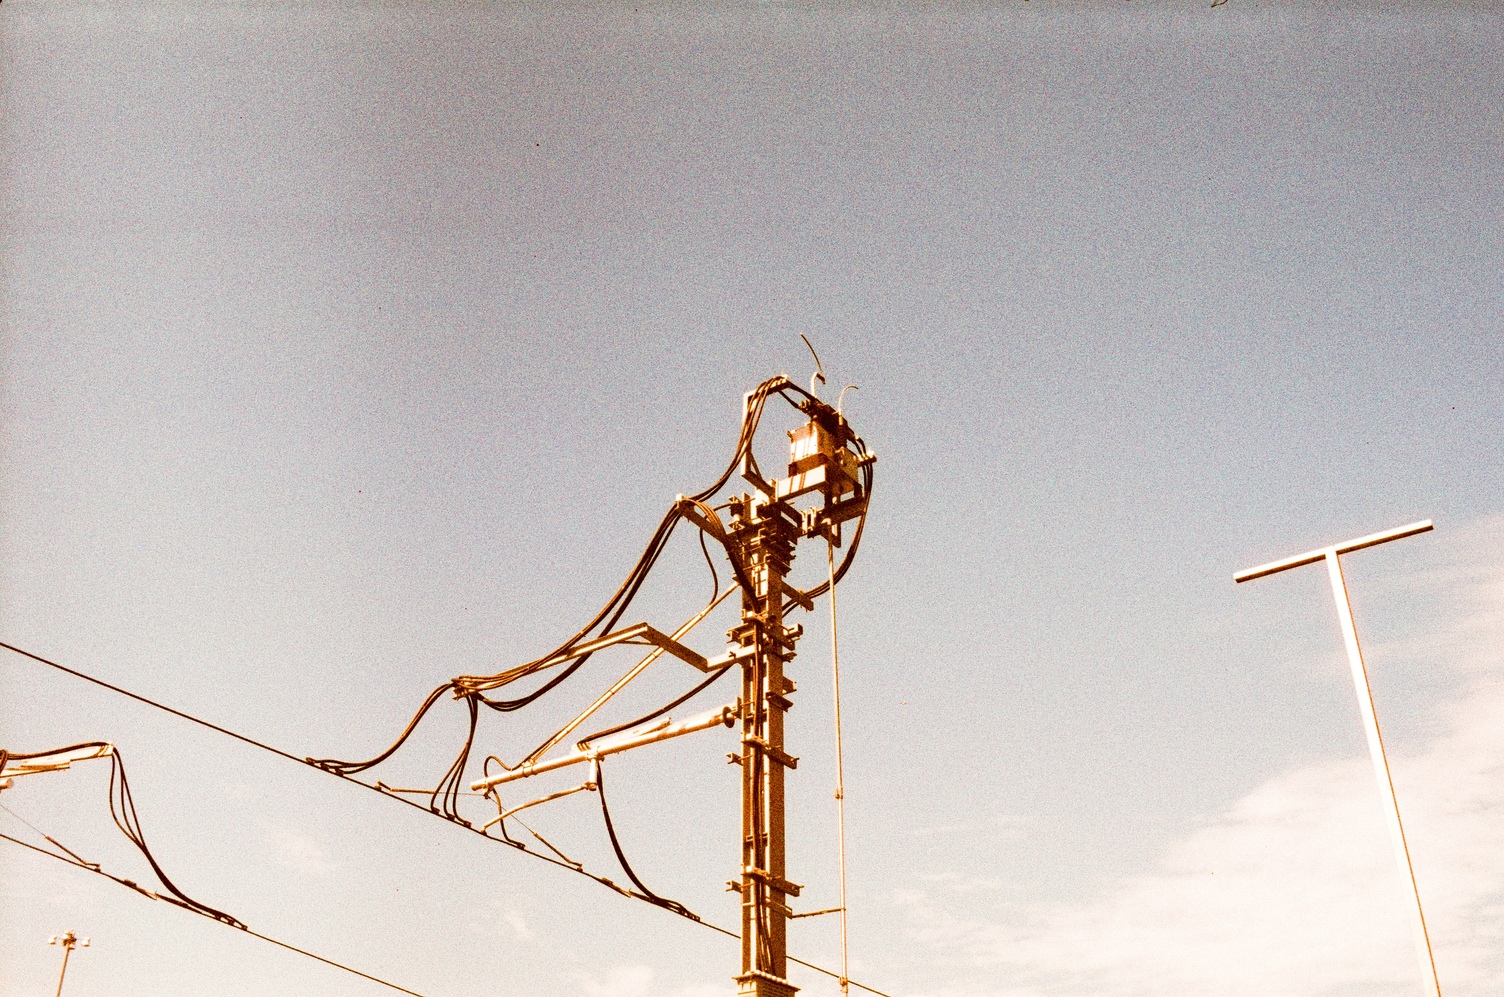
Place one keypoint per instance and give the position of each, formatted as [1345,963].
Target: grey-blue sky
[352,347]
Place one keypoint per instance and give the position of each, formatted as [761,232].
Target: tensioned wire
[89,867]
[391,796]
[472,688]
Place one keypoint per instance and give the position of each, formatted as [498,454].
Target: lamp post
[68,941]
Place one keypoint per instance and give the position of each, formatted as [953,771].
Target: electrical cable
[856,538]
[349,768]
[130,825]
[649,895]
[691,694]
[715,579]
[506,840]
[311,763]
[473,687]
[443,800]
[89,867]
[123,812]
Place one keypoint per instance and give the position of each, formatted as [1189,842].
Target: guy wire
[835,672]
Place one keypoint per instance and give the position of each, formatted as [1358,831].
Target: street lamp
[68,941]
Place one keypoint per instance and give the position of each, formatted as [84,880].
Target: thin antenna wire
[819,374]
[835,671]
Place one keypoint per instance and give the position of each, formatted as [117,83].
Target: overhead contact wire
[375,789]
[88,867]
[151,702]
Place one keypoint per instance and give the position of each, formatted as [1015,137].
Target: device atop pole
[67,941]
[1431,983]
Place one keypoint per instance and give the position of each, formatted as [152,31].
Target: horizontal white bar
[1311,557]
[504,814]
[724,716]
[54,761]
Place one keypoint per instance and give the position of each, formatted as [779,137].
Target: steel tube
[1430,982]
[631,674]
[725,716]
[1311,557]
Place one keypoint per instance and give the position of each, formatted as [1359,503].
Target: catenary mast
[821,491]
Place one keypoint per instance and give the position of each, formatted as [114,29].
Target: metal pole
[826,462]
[768,533]
[1430,981]
[67,940]
[67,949]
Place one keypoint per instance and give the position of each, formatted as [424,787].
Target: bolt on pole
[1430,982]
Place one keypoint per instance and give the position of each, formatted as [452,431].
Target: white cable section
[835,672]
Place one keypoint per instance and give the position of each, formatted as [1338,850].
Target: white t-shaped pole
[1431,984]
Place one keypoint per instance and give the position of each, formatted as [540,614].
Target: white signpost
[1430,982]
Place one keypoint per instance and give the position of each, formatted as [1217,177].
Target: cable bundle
[474,689]
[123,811]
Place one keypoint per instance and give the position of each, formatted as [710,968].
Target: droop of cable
[560,862]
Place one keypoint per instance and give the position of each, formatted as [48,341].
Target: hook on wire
[841,400]
[819,374]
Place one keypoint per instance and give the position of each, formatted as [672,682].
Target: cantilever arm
[639,633]
[58,760]
[662,731]
[631,674]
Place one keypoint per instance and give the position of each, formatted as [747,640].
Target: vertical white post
[835,668]
[1430,982]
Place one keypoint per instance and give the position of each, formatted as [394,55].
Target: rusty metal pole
[825,474]
[768,533]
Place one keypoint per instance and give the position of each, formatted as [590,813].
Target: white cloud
[519,927]
[302,853]
[1294,891]
[620,981]
[956,883]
